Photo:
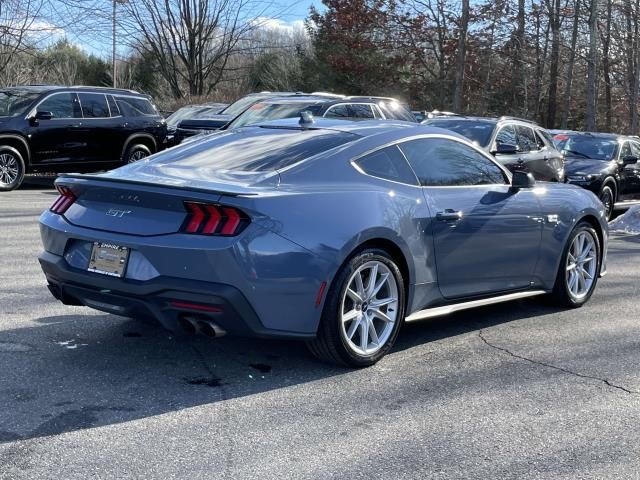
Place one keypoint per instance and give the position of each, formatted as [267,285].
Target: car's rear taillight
[64,201]
[208,219]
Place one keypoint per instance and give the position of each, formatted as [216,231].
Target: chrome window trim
[504,170]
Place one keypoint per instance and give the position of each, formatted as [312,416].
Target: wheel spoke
[353,328]
[377,303]
[372,331]
[351,315]
[372,281]
[364,335]
[354,296]
[379,285]
[359,285]
[381,315]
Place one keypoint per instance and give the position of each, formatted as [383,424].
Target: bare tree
[458,88]
[191,40]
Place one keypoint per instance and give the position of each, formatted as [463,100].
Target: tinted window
[361,110]
[62,105]
[240,105]
[251,149]
[526,139]
[135,107]
[339,111]
[507,135]
[443,162]
[539,140]
[93,105]
[476,131]
[635,149]
[397,111]
[115,112]
[389,164]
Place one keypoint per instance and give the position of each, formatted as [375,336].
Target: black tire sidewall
[133,148]
[607,188]
[561,288]
[21,168]
[331,313]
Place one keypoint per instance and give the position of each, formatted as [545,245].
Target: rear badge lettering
[112,212]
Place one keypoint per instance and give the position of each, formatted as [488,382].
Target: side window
[540,141]
[135,107]
[507,135]
[62,105]
[113,106]
[377,113]
[388,163]
[360,110]
[526,139]
[635,149]
[94,105]
[441,162]
[339,111]
[625,151]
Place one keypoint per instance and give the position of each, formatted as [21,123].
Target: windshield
[190,112]
[14,102]
[240,105]
[597,148]
[478,132]
[262,112]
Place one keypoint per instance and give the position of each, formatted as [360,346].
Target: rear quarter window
[388,163]
[135,107]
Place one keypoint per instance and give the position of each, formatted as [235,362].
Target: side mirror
[629,160]
[522,180]
[505,149]
[43,115]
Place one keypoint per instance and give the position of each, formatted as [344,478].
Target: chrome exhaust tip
[201,326]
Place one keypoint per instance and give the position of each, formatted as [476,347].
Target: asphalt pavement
[513,391]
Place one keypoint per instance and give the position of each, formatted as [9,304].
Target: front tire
[363,312]
[12,169]
[607,198]
[579,268]
[136,153]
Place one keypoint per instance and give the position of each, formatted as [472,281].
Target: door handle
[449,215]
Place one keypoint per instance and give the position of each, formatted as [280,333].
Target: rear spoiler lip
[82,176]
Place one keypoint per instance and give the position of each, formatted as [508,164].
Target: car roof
[325,98]
[493,120]
[596,135]
[54,88]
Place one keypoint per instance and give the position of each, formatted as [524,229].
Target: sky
[283,14]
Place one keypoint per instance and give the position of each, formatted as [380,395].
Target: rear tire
[579,268]
[135,153]
[12,169]
[363,311]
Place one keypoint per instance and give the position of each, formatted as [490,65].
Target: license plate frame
[108,259]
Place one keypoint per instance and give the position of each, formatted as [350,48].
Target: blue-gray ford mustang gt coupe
[334,232]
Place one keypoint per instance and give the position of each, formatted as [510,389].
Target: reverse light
[208,219]
[64,201]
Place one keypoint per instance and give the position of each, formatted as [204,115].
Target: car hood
[587,166]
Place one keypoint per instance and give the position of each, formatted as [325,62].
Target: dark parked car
[519,145]
[78,129]
[606,164]
[188,127]
[190,112]
[354,107]
[331,231]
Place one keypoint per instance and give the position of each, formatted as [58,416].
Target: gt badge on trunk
[108,259]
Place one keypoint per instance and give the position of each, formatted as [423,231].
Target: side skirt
[447,309]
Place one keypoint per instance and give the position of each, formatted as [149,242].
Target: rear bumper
[167,299]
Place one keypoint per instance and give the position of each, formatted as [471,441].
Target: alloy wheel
[137,155]
[369,308]
[9,169]
[581,265]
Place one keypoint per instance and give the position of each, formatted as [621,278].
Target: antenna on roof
[306,119]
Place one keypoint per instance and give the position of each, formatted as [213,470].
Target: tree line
[564,63]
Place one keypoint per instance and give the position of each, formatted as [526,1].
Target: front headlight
[581,178]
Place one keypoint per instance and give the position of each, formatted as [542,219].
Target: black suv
[520,145]
[80,129]
[606,164]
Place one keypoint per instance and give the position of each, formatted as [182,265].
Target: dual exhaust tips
[201,326]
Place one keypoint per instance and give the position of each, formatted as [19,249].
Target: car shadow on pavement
[74,372]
